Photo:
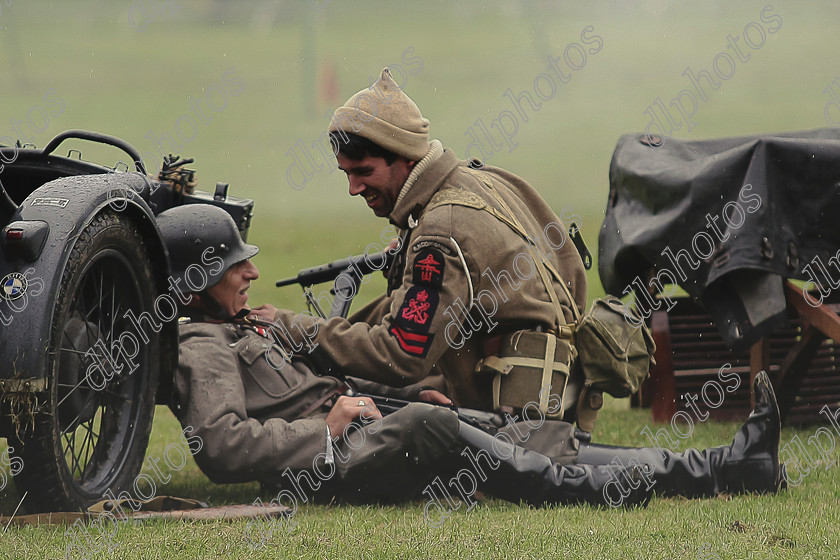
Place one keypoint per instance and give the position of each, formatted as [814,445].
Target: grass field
[796,524]
[146,69]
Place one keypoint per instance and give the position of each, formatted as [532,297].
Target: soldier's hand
[432,396]
[347,409]
[265,312]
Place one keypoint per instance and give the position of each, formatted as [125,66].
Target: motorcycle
[88,329]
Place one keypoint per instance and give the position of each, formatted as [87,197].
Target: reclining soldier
[263,415]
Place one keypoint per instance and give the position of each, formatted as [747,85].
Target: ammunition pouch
[530,369]
[615,348]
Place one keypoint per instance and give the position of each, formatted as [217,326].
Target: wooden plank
[664,399]
[822,317]
[793,369]
[803,363]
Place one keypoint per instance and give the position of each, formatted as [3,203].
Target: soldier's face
[376,181]
[232,291]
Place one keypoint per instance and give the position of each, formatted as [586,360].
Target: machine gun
[346,275]
[489,422]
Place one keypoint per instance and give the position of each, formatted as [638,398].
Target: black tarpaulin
[727,219]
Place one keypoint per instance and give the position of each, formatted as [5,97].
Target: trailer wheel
[90,435]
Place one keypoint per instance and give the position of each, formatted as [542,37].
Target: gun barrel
[360,265]
[286,281]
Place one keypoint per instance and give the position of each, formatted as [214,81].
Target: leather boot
[514,473]
[749,464]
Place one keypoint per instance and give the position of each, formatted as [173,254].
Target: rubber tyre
[91,432]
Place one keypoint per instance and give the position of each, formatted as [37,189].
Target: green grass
[117,80]
[797,523]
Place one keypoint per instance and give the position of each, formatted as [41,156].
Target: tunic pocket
[274,376]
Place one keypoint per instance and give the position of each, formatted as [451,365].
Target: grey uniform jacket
[245,403]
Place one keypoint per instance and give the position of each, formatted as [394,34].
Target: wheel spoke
[70,392]
[72,350]
[70,438]
[71,427]
[96,423]
[81,451]
[70,341]
[87,443]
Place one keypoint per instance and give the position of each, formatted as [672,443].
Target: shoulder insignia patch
[426,243]
[428,268]
[418,309]
[411,324]
[460,197]
[412,343]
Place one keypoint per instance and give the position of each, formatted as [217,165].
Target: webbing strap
[586,414]
[497,391]
[517,228]
[506,364]
[546,267]
[503,366]
[548,362]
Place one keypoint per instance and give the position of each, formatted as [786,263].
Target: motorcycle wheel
[91,433]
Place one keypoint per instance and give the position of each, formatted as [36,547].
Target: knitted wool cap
[386,116]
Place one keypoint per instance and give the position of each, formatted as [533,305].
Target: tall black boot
[749,464]
[514,473]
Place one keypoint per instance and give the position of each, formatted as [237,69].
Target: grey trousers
[394,459]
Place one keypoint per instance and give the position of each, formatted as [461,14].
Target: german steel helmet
[203,243]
